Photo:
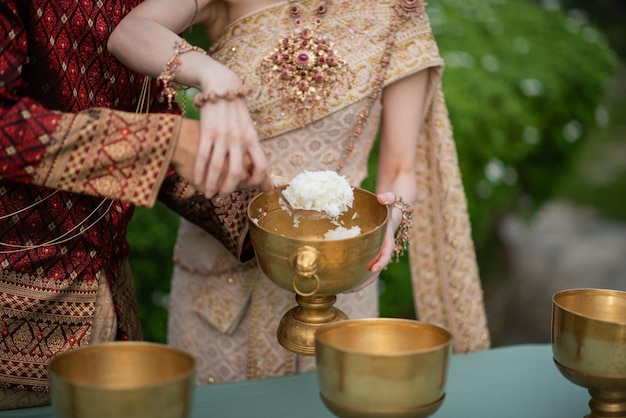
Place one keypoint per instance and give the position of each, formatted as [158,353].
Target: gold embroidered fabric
[224,217]
[63,311]
[109,153]
[358,31]
[76,314]
[444,273]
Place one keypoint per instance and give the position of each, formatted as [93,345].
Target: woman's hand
[145,40]
[227,136]
[186,152]
[386,253]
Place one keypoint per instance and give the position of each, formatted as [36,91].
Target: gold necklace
[405,10]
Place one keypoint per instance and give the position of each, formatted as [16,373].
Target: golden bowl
[340,265]
[382,367]
[300,260]
[589,345]
[122,379]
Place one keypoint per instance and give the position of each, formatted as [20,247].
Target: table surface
[508,382]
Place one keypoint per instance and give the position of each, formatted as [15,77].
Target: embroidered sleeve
[100,152]
[109,153]
[223,217]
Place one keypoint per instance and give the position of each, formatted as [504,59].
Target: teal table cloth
[518,381]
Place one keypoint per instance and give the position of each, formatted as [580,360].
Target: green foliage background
[523,83]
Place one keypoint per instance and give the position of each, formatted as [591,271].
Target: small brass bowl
[382,367]
[122,379]
[589,345]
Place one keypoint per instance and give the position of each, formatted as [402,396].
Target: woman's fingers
[228,135]
[387,249]
[386,198]
[380,262]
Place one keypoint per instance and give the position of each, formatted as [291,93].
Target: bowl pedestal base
[343,411]
[296,331]
[608,393]
[607,404]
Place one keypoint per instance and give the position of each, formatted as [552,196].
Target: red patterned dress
[71,169]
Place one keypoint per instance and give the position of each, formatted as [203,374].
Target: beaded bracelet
[167,76]
[402,234]
[211,97]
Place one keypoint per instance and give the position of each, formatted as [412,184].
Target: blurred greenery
[523,86]
[523,83]
[152,234]
[598,177]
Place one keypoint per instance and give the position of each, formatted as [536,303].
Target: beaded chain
[405,10]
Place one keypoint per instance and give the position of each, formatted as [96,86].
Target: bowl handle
[304,261]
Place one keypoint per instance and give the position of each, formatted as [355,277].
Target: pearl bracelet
[212,97]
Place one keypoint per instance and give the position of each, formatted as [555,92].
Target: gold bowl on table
[589,345]
[301,260]
[122,379]
[382,367]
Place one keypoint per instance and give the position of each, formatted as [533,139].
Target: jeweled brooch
[305,72]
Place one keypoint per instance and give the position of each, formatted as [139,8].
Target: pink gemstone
[303,57]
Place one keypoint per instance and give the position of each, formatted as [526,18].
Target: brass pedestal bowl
[122,379]
[589,346]
[382,367]
[300,260]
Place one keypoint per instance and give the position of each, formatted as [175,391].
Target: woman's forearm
[403,109]
[145,40]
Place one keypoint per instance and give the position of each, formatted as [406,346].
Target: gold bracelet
[167,76]
[211,97]
[402,234]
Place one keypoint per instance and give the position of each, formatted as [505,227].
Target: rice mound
[342,233]
[324,191]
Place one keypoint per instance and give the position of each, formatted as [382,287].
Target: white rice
[342,233]
[324,191]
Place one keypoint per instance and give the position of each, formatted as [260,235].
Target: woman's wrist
[184,157]
[172,66]
[217,78]
[212,96]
